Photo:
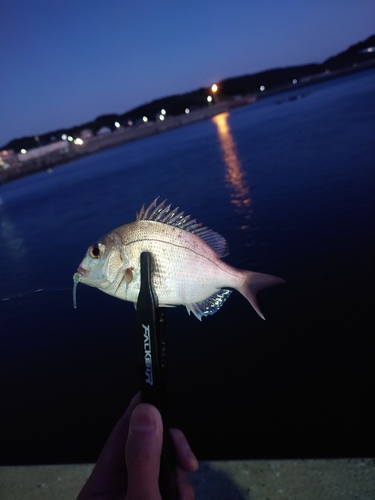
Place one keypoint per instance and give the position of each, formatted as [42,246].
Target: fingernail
[142,420]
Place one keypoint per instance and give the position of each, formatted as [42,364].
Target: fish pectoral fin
[210,305]
[126,278]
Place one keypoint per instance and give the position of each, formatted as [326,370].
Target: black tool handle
[152,337]
[146,309]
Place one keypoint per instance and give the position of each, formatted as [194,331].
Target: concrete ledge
[344,479]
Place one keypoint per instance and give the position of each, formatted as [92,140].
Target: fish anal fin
[209,305]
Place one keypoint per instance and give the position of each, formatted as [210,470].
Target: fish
[187,265]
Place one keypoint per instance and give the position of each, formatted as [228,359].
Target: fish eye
[97,250]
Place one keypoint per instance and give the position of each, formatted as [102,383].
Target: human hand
[128,466]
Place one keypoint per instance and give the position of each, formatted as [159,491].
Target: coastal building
[7,158]
[86,134]
[3,164]
[104,131]
[54,147]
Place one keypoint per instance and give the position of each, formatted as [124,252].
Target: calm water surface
[291,187]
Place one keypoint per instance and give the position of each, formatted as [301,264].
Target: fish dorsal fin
[209,305]
[173,217]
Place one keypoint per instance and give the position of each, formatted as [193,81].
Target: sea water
[289,182]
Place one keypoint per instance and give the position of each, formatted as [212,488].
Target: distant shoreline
[98,143]
[129,134]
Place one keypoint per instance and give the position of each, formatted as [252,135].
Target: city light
[214,88]
[78,141]
[187,111]
[70,138]
[130,123]
[145,119]
[262,88]
[295,81]
[163,112]
[64,137]
[23,151]
[117,125]
[161,118]
[209,98]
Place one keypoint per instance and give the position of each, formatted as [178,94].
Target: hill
[230,88]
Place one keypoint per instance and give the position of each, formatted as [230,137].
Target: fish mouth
[83,272]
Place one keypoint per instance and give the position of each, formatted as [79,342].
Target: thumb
[142,453]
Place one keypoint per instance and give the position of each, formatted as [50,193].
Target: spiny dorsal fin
[172,216]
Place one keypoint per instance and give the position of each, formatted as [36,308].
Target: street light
[214,90]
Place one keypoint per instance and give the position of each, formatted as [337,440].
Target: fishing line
[38,290]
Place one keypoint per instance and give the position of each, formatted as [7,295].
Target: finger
[112,455]
[185,489]
[186,459]
[109,474]
[142,452]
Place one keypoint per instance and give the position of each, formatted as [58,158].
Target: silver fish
[187,268]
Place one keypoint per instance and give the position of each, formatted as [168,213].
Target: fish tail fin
[255,282]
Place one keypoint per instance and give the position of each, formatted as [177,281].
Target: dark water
[291,187]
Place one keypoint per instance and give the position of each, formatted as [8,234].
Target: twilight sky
[66,62]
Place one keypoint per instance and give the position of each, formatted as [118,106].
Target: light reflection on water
[11,238]
[235,175]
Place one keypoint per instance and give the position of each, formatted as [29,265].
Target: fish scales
[187,266]
[177,255]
